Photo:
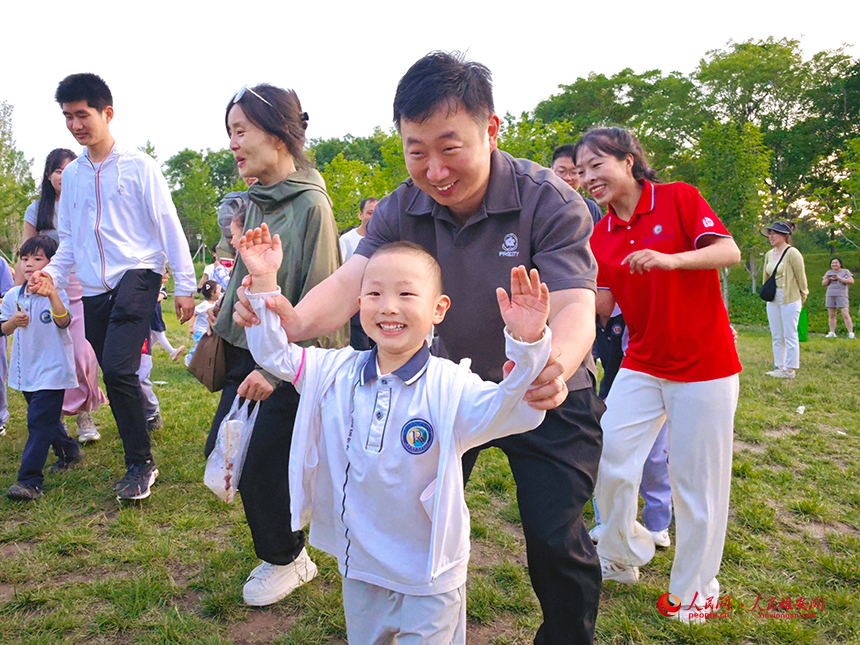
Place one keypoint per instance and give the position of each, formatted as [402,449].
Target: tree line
[763,132]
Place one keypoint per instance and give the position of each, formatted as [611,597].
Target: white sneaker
[831,335]
[269,583]
[661,538]
[785,374]
[596,533]
[626,574]
[176,353]
[850,334]
[87,430]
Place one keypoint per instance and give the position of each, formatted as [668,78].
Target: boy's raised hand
[261,253]
[525,313]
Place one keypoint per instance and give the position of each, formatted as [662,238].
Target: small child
[151,407]
[42,367]
[211,292]
[157,328]
[376,455]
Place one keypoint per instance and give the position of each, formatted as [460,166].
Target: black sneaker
[154,422]
[23,491]
[138,478]
[66,464]
[2,429]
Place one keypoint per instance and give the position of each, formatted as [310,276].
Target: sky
[173,66]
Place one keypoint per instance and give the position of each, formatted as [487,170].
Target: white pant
[379,616]
[701,422]
[783,327]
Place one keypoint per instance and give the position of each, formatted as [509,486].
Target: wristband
[60,315]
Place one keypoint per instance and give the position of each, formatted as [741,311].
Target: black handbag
[768,289]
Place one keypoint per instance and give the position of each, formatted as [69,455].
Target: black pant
[265,475]
[608,342]
[358,338]
[555,468]
[45,430]
[117,323]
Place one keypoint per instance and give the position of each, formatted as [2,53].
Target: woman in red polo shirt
[657,252]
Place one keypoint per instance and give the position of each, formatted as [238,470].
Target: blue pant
[45,430]
[655,488]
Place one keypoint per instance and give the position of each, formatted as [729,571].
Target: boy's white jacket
[116,216]
[311,491]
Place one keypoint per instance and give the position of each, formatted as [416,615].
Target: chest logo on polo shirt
[657,229]
[509,246]
[45,316]
[416,436]
[708,222]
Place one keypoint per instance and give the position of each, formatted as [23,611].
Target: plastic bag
[224,467]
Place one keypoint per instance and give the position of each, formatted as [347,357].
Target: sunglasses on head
[241,93]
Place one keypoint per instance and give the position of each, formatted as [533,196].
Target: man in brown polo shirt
[481,212]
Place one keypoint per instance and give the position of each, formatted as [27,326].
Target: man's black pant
[265,476]
[117,323]
[555,468]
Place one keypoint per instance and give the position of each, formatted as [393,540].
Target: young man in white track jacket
[119,228]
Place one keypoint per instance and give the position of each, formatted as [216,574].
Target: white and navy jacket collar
[408,373]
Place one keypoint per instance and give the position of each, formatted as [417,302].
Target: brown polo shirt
[526,218]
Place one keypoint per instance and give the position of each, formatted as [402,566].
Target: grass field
[79,567]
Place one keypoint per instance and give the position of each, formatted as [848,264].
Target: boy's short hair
[417,251]
[567,150]
[443,79]
[48,245]
[84,87]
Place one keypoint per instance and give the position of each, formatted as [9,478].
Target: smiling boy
[118,226]
[376,454]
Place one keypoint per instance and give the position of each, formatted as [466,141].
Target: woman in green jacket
[791,291]
[266,126]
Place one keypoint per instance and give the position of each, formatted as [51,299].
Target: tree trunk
[724,280]
[751,265]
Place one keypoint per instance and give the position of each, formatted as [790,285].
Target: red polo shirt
[679,328]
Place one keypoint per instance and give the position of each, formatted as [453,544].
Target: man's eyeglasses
[241,93]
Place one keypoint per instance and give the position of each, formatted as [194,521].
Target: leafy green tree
[17,188]
[733,165]
[533,139]
[195,198]
[224,174]
[149,149]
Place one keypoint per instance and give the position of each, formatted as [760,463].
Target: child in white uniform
[42,367]
[376,455]
[211,292]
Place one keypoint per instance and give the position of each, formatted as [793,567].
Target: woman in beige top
[791,291]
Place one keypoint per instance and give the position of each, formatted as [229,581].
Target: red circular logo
[669,604]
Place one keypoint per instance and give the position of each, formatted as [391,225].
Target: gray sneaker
[23,491]
[87,430]
[137,481]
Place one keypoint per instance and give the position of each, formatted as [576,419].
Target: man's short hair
[48,245]
[443,79]
[417,251]
[567,150]
[84,87]
[364,202]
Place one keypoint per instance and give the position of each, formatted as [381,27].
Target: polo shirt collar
[643,206]
[502,194]
[408,373]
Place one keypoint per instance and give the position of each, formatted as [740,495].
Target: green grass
[79,567]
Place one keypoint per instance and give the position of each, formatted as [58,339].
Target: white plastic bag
[224,467]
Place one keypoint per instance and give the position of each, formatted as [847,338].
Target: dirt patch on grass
[262,626]
[781,431]
[485,634]
[15,549]
[7,592]
[740,446]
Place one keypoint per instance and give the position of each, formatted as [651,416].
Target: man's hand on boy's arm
[525,313]
[263,256]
